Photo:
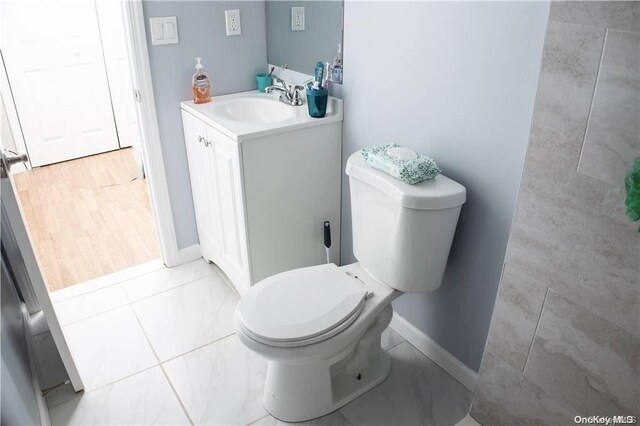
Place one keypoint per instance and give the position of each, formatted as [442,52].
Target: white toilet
[319,327]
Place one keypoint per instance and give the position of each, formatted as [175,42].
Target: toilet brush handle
[327,234]
[327,238]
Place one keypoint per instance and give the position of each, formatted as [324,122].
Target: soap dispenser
[201,84]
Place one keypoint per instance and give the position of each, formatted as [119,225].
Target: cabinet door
[230,206]
[202,183]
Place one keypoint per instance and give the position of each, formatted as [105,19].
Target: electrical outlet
[297,19]
[232,18]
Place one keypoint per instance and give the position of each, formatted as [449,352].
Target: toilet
[319,327]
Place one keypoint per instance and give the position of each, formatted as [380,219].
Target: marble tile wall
[565,332]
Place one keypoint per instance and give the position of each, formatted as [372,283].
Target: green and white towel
[401,163]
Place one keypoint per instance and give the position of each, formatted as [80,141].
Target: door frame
[12,115]
[150,141]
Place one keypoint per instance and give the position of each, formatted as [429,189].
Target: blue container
[317,102]
[264,81]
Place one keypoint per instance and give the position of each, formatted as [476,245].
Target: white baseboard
[188,254]
[449,363]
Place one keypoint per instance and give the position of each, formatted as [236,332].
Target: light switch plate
[232,18]
[297,19]
[164,30]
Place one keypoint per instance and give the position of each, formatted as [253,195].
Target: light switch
[164,30]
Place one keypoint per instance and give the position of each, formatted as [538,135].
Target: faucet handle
[295,91]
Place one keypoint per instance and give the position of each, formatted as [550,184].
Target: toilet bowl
[320,327]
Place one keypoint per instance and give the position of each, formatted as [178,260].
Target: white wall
[457,81]
[232,63]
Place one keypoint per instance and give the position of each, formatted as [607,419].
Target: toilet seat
[301,307]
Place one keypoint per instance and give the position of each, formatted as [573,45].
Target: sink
[253,110]
[250,115]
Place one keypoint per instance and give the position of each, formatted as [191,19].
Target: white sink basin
[248,115]
[253,110]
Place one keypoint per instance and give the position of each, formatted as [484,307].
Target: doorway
[83,192]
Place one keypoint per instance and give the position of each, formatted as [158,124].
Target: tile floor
[159,348]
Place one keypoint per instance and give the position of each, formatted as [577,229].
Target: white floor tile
[468,421]
[390,339]
[333,419]
[109,347]
[105,281]
[220,384]
[90,304]
[143,399]
[166,278]
[187,317]
[417,392]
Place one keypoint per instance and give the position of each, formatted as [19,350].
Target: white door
[114,46]
[56,69]
[20,255]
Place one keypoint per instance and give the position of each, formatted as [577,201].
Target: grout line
[93,315]
[535,332]
[593,97]
[84,392]
[197,348]
[130,302]
[111,284]
[175,392]
[263,417]
[167,289]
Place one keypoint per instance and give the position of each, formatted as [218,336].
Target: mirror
[300,49]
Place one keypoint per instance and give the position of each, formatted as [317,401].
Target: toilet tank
[402,233]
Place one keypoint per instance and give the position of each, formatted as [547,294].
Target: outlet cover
[232,18]
[297,19]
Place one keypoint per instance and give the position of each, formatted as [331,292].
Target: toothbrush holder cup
[264,80]
[317,102]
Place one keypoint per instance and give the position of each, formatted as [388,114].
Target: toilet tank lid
[435,194]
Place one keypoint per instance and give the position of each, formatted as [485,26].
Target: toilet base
[296,392]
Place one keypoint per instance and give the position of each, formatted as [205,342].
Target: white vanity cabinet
[261,197]
[214,169]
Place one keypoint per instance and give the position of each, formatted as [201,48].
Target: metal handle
[13,158]
[9,159]
[207,143]
[200,139]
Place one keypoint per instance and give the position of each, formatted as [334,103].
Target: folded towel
[401,163]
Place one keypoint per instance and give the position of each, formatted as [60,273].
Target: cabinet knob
[200,139]
[206,143]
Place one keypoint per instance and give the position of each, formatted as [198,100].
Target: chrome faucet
[289,93]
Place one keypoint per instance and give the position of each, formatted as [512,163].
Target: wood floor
[88,217]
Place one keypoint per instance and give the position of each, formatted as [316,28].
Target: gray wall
[564,338]
[302,49]
[232,63]
[457,82]
[18,400]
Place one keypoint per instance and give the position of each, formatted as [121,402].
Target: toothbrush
[327,73]
[272,69]
[317,84]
